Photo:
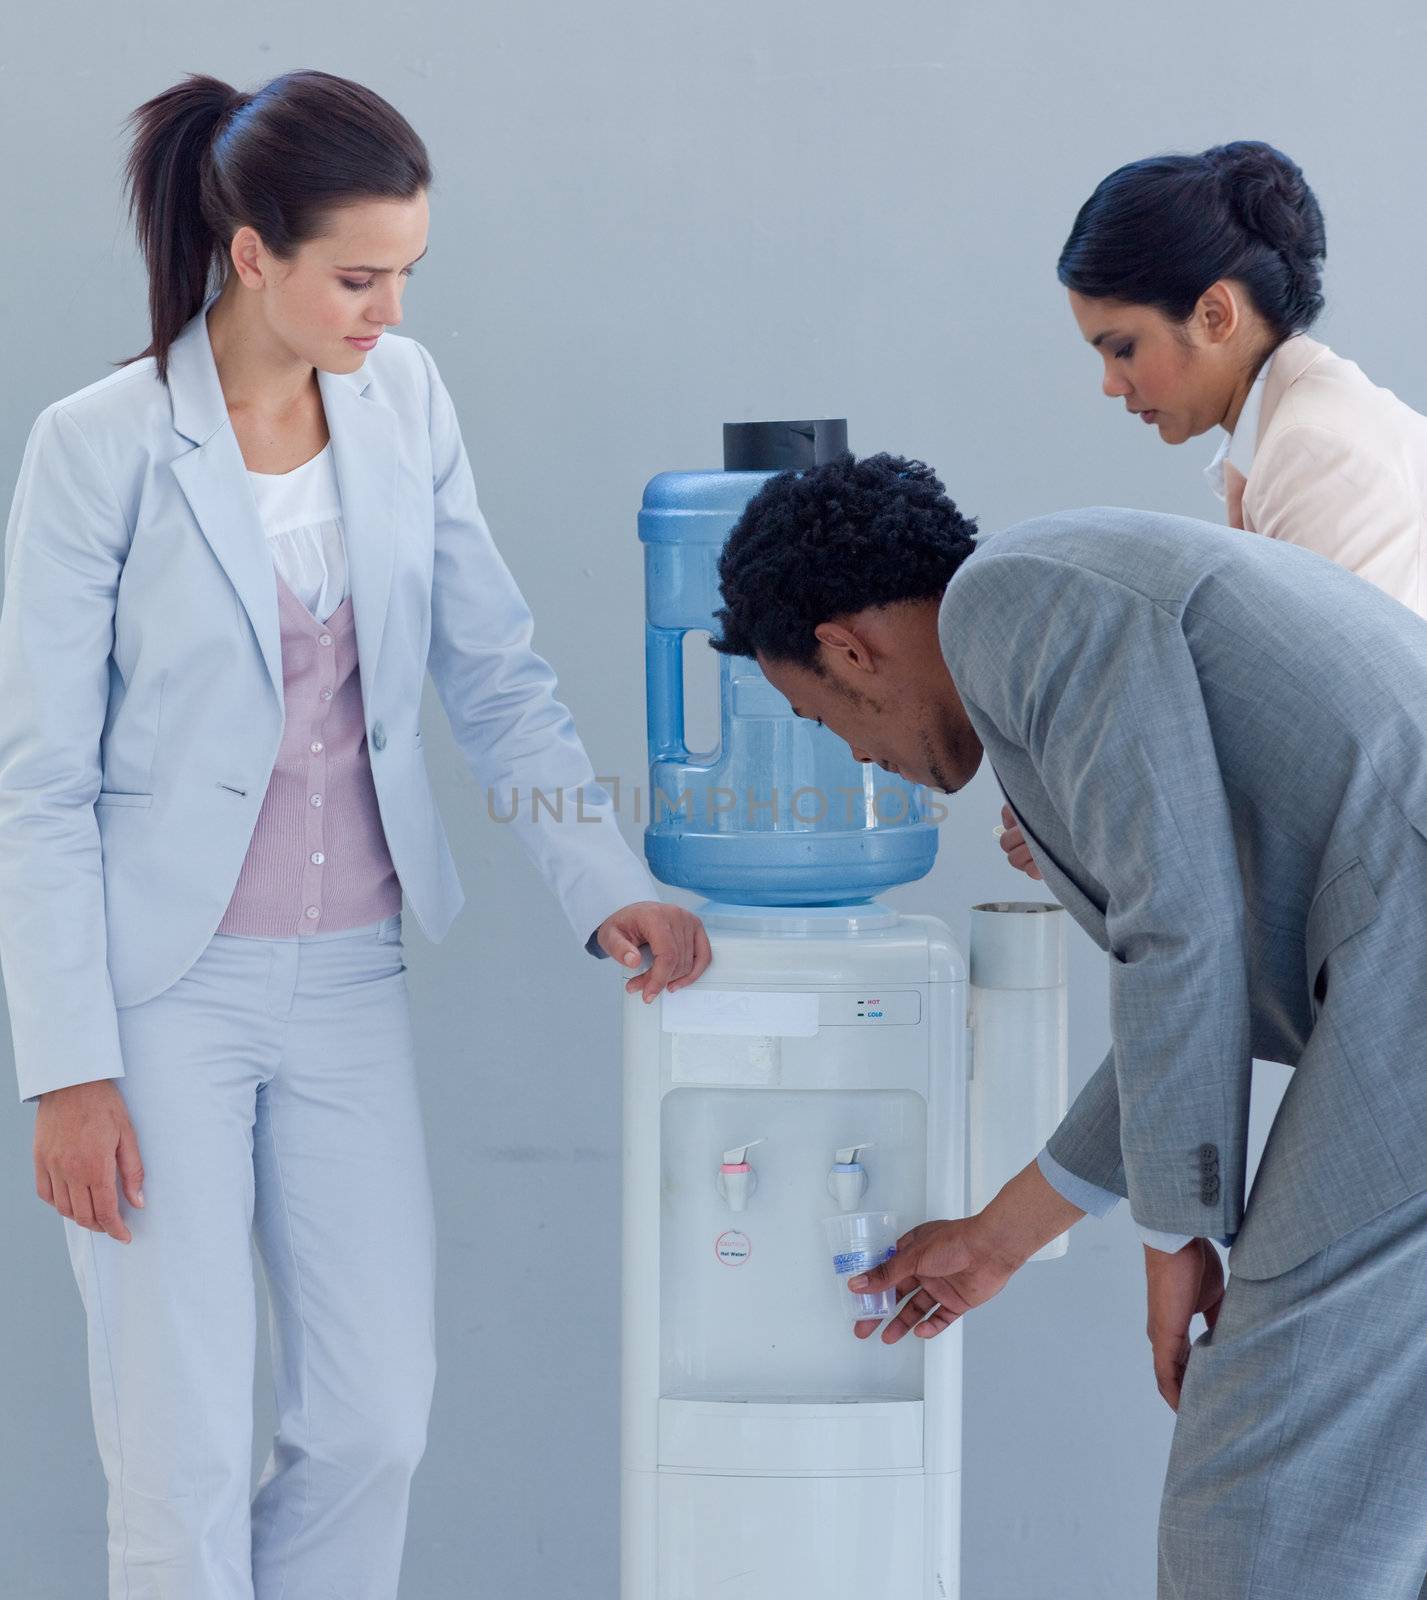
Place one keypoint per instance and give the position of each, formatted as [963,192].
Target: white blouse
[1238,448]
[301,513]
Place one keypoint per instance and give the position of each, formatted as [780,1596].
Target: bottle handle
[664,692]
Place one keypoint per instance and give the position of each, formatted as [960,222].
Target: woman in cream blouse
[1195,278]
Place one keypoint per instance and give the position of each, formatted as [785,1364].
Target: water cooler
[830,1063]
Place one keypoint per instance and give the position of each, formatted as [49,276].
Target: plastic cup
[859,1241]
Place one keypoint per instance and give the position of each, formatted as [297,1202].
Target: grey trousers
[1299,1464]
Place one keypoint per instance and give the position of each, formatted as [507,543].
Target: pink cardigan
[318,858]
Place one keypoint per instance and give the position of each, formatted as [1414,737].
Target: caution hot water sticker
[733,1248]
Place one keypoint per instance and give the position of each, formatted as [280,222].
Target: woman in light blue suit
[202,958]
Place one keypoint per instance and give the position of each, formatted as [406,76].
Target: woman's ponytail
[166,172]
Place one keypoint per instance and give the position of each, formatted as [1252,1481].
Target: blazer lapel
[364,451]
[213,481]
[1290,361]
[213,478]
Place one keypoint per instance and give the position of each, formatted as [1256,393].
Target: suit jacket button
[378,736]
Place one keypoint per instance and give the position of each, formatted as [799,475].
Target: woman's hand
[678,945]
[1013,842]
[82,1136]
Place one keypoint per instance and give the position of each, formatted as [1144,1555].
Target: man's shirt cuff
[1094,1200]
[1090,1197]
[1168,1242]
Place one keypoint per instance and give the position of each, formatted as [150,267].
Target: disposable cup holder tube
[859,1241]
[1017,1010]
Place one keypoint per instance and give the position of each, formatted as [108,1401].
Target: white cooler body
[768,1453]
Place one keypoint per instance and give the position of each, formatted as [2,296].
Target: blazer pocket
[1345,905]
[1067,892]
[120,797]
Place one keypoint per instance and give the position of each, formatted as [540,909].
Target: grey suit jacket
[1217,748]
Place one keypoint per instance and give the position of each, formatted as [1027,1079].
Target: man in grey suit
[1216,748]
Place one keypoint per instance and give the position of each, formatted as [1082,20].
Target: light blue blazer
[141,689]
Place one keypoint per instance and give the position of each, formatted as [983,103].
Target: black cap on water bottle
[782,446]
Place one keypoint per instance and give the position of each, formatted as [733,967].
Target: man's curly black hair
[829,542]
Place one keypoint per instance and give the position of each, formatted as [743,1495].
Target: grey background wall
[649,219]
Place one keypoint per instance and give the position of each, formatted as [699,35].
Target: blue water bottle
[778,813]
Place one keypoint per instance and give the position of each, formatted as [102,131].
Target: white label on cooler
[789,1015]
[713,1058]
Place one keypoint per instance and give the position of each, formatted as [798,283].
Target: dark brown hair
[207,159]
[1158,232]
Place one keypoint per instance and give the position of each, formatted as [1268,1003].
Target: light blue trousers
[273,1094]
[1299,1464]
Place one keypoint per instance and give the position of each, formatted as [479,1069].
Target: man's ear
[847,641]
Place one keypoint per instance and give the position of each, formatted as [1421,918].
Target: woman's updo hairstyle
[207,159]
[1158,232]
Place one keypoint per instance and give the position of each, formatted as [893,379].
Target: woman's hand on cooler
[1013,842]
[84,1141]
[678,946]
